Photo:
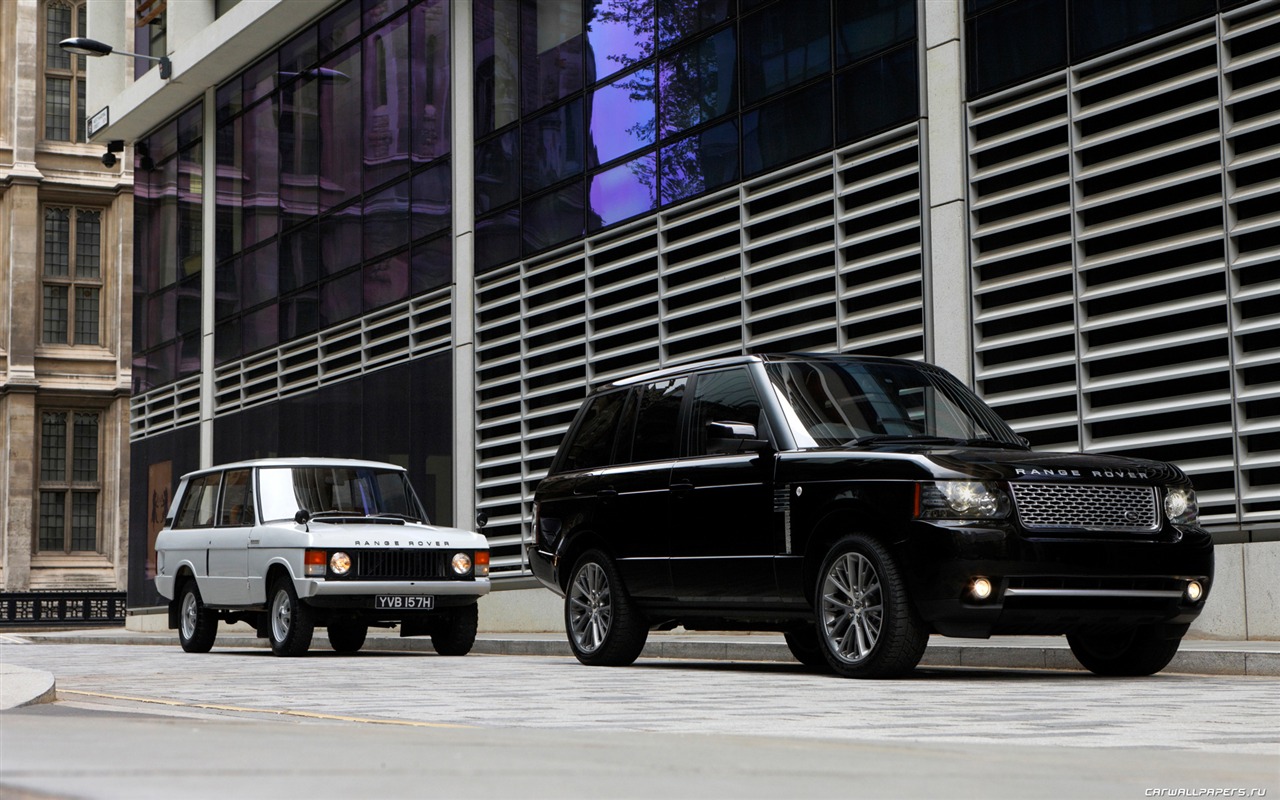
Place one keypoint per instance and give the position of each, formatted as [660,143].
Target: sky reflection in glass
[622,116]
[619,34]
[623,191]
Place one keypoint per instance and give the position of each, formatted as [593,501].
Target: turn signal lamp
[315,562]
[482,563]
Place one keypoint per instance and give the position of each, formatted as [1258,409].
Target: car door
[724,535]
[192,532]
[229,542]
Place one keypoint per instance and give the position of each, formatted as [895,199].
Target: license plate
[397,602]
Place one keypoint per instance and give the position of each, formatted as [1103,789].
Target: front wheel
[291,622]
[347,637]
[605,628]
[197,625]
[806,649]
[1131,653]
[455,631]
[867,627]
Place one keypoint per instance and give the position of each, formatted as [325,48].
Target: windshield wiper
[896,437]
[394,515]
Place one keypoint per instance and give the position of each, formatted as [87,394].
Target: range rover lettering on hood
[399,543]
[1049,472]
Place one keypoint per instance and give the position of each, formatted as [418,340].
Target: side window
[727,397]
[237,498]
[592,443]
[198,503]
[657,433]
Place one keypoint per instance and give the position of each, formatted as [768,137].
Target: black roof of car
[730,361]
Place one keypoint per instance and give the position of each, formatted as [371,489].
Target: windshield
[829,404]
[352,491]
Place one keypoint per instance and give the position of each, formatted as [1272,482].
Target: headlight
[340,563]
[962,500]
[1180,506]
[461,563]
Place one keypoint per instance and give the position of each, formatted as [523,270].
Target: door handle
[682,487]
[607,494]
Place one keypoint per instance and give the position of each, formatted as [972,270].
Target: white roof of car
[303,461]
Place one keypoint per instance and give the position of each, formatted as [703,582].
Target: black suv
[857,504]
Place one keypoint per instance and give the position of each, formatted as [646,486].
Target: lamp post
[92,47]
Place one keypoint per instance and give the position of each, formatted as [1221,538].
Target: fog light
[981,589]
[461,563]
[1194,591]
[340,563]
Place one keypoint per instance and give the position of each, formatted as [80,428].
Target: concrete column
[208,286]
[464,300]
[948,305]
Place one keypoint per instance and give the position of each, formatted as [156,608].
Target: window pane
[657,433]
[553,218]
[723,397]
[57,241]
[592,443]
[79,132]
[1098,25]
[53,520]
[1015,42]
[340,235]
[432,265]
[57,28]
[84,521]
[622,116]
[698,163]
[198,503]
[261,196]
[869,26]
[619,34]
[386,220]
[551,52]
[386,281]
[230,220]
[430,83]
[259,276]
[623,192]
[497,64]
[697,83]
[88,244]
[387,119]
[237,498]
[53,446]
[877,94]
[553,146]
[55,314]
[431,201]
[299,150]
[497,239]
[783,45]
[260,329]
[87,315]
[57,109]
[340,299]
[786,129]
[299,259]
[680,18]
[497,172]
[84,465]
[341,134]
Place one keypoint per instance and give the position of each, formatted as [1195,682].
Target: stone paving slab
[22,686]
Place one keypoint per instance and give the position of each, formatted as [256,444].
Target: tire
[866,625]
[1132,653]
[197,625]
[455,632]
[805,648]
[604,627]
[290,622]
[347,637]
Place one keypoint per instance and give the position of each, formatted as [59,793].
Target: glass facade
[592,113]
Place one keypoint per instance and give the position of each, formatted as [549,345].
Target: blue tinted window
[696,84]
[497,171]
[877,94]
[1099,25]
[432,264]
[699,163]
[299,258]
[1015,42]
[260,328]
[621,116]
[553,146]
[497,239]
[619,34]
[553,218]
[864,27]
[339,28]
[387,118]
[259,276]
[431,210]
[261,195]
[340,240]
[340,299]
[789,128]
[624,191]
[497,63]
[386,220]
[260,79]
[386,281]
[298,54]
[299,150]
[341,134]
[299,315]
[783,45]
[429,67]
[551,56]
[678,19]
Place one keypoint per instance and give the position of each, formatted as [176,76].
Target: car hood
[350,533]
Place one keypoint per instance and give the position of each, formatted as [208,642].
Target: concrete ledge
[20,686]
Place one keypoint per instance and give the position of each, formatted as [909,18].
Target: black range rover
[857,504]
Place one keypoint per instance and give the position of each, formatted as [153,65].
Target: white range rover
[289,544]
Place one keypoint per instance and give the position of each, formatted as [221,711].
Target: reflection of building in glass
[436,223]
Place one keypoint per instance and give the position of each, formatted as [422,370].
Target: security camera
[108,159]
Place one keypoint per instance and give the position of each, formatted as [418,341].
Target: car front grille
[1131,509]
[400,565]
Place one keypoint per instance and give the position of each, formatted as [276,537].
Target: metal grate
[1124,249]
[400,565]
[821,256]
[62,607]
[1095,508]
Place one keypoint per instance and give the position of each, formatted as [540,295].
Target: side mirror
[733,437]
[302,517]
[482,519]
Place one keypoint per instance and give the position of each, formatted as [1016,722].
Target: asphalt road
[139,721]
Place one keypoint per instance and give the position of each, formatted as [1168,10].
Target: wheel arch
[572,550]
[835,522]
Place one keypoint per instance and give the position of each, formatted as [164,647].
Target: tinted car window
[198,503]
[592,442]
[725,396]
[657,433]
[237,498]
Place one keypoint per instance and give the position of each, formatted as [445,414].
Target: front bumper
[1053,585]
[315,588]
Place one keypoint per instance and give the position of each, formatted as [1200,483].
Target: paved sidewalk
[1196,656]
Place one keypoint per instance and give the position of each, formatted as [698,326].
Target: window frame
[72,281]
[68,484]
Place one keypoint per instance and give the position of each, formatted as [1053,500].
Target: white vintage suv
[291,544]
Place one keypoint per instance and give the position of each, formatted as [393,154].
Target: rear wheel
[867,627]
[1132,653]
[291,623]
[605,628]
[347,637]
[455,631]
[197,625]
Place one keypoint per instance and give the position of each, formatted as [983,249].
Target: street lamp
[92,47]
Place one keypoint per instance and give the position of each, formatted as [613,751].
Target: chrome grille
[399,565]
[1099,508]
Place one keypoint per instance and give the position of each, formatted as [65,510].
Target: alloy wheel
[852,607]
[591,608]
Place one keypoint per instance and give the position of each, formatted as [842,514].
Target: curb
[20,686]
